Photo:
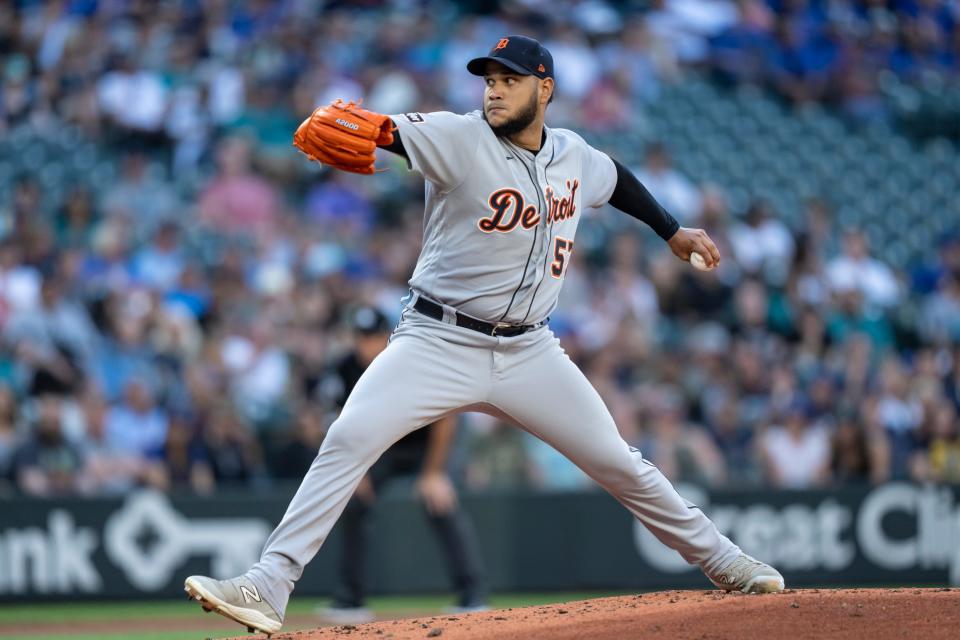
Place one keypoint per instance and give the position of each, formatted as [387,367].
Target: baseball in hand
[698,262]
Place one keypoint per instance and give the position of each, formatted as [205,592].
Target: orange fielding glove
[344,136]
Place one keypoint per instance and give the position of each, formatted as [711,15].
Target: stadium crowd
[172,327]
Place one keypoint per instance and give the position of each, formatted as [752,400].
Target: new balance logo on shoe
[249,595]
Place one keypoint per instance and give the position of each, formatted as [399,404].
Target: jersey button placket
[547,227]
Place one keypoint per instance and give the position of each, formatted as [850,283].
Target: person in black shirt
[423,452]
[46,463]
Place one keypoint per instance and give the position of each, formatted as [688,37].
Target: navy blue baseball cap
[368,320]
[524,55]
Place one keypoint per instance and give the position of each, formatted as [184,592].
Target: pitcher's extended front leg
[416,380]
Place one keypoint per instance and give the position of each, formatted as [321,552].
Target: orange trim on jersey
[561,245]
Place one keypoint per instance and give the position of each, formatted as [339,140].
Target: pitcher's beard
[518,123]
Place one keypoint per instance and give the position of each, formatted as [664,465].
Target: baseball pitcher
[504,198]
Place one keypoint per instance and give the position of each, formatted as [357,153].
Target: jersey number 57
[561,249]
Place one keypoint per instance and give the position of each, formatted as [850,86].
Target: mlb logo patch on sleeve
[414,117]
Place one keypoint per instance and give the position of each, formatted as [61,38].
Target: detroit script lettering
[510,210]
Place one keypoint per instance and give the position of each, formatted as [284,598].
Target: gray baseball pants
[432,368]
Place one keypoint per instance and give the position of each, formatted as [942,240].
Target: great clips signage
[896,532]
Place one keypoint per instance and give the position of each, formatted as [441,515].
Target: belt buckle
[497,326]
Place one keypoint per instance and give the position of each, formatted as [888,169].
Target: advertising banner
[142,546]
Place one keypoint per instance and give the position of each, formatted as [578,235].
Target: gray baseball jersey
[500,226]
[499,221]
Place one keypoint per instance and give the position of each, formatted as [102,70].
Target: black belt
[435,311]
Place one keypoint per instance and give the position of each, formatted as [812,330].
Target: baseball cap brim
[478,66]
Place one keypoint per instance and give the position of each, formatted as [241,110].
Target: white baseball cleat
[748,575]
[237,599]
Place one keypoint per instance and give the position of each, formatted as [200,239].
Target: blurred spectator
[54,343]
[294,458]
[186,458]
[677,193]
[928,276]
[803,59]
[74,222]
[160,264]
[951,378]
[854,360]
[133,98]
[628,299]
[26,203]
[681,450]
[341,206]
[638,60]
[110,467]
[940,462]
[857,270]
[606,108]
[751,305]
[107,267]
[191,292]
[8,432]
[19,283]
[137,426]
[259,371]
[46,463]
[939,321]
[141,195]
[233,454]
[754,384]
[899,413]
[688,24]
[796,453]
[16,94]
[237,200]
[737,52]
[817,236]
[849,316]
[857,457]
[267,117]
[822,400]
[735,440]
[125,355]
[763,245]
[576,67]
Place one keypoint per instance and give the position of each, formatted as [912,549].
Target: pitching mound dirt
[874,614]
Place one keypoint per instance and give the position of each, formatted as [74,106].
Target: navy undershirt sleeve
[632,198]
